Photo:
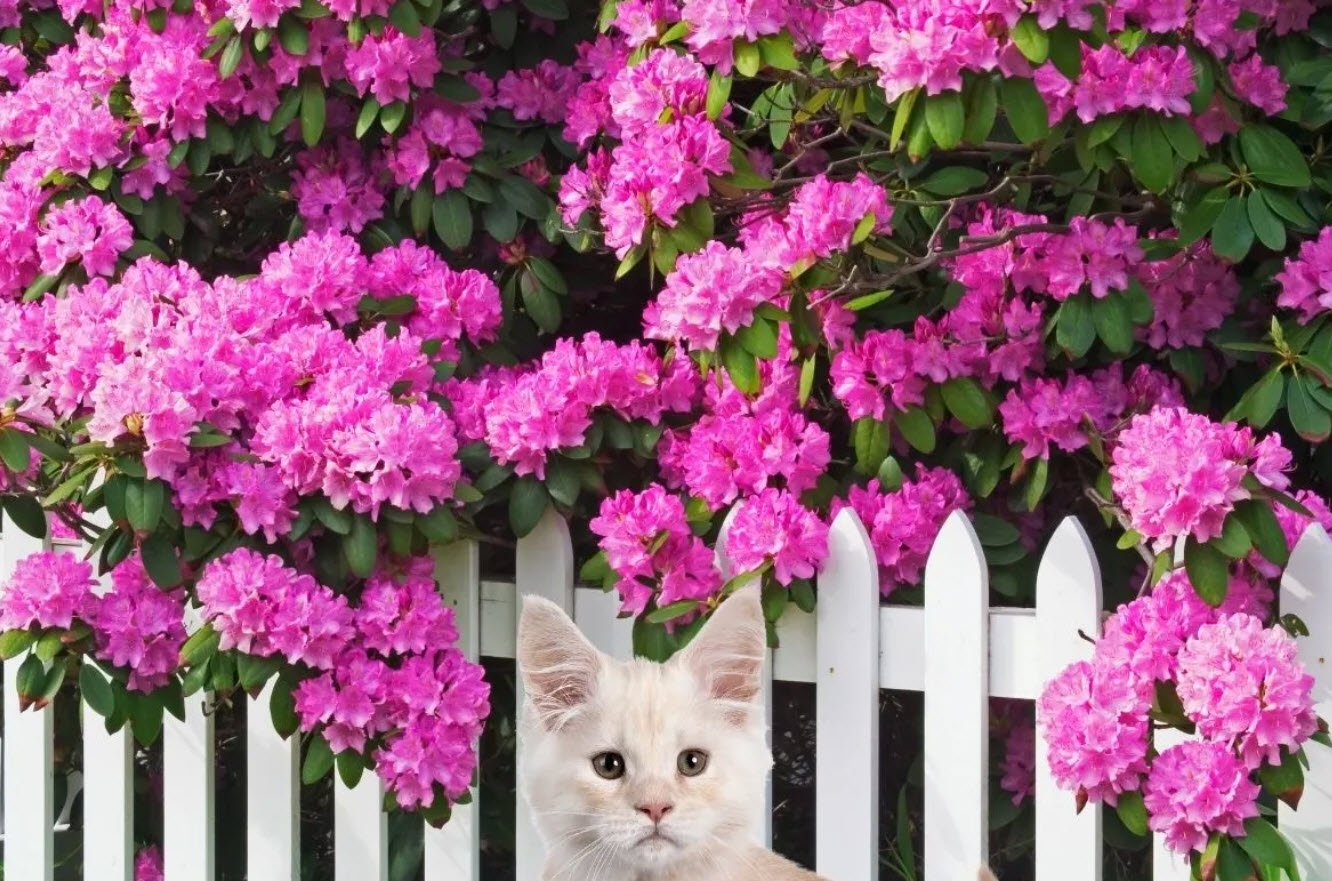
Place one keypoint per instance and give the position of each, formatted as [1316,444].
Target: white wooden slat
[360,830]
[761,818]
[187,791]
[108,800]
[847,706]
[272,796]
[1166,864]
[1068,600]
[1306,591]
[597,615]
[795,658]
[453,852]
[28,770]
[543,566]
[956,664]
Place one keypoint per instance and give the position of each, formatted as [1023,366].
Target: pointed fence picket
[957,650]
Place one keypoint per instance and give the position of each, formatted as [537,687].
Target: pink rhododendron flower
[139,626]
[1095,724]
[774,527]
[649,545]
[1195,789]
[86,230]
[1244,686]
[1192,293]
[47,589]
[1179,473]
[1306,280]
[903,523]
[1259,83]
[148,864]
[713,290]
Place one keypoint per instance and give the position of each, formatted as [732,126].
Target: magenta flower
[1197,788]
[774,527]
[1244,686]
[47,589]
[86,230]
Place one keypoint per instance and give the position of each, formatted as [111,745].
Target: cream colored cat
[637,771]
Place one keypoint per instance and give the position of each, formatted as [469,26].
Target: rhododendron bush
[294,292]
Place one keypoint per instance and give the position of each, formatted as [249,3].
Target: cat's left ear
[558,665]
[727,655]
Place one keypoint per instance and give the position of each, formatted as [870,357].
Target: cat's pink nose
[655,811]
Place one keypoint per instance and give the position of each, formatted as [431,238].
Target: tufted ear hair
[559,667]
[727,655]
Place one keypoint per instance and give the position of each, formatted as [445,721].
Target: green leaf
[1113,325]
[953,181]
[759,337]
[917,427]
[1037,483]
[1025,108]
[26,513]
[1233,541]
[282,706]
[452,212]
[145,714]
[1232,235]
[253,671]
[439,526]
[748,58]
[523,195]
[14,450]
[392,115]
[350,768]
[15,642]
[994,532]
[1231,863]
[527,503]
[293,35]
[1312,422]
[542,306]
[405,18]
[1075,328]
[1272,157]
[159,559]
[1265,844]
[1031,39]
[144,500]
[313,110]
[740,364]
[1266,225]
[967,401]
[1286,780]
[945,117]
[672,611]
[719,94]
[96,691]
[1130,539]
[870,438]
[1153,159]
[361,546]
[1179,131]
[982,106]
[1209,570]
[201,646]
[652,641]
[318,760]
[423,199]
[231,56]
[1132,813]
[335,520]
[807,369]
[890,474]
[1264,529]
[500,220]
[1260,401]
[778,52]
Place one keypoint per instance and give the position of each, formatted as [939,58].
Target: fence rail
[957,650]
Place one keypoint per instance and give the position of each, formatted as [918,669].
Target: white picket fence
[957,650]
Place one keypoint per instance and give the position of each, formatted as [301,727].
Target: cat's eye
[609,766]
[691,762]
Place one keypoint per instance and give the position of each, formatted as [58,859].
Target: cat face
[640,768]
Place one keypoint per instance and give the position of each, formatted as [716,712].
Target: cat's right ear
[558,665]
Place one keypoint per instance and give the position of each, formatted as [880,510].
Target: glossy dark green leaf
[318,760]
[1025,108]
[1113,324]
[967,401]
[1208,570]
[26,513]
[527,503]
[1153,158]
[360,548]
[1311,420]
[1232,234]
[917,427]
[159,560]
[1075,328]
[96,691]
[14,450]
[945,116]
[1266,225]
[313,111]
[1272,157]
